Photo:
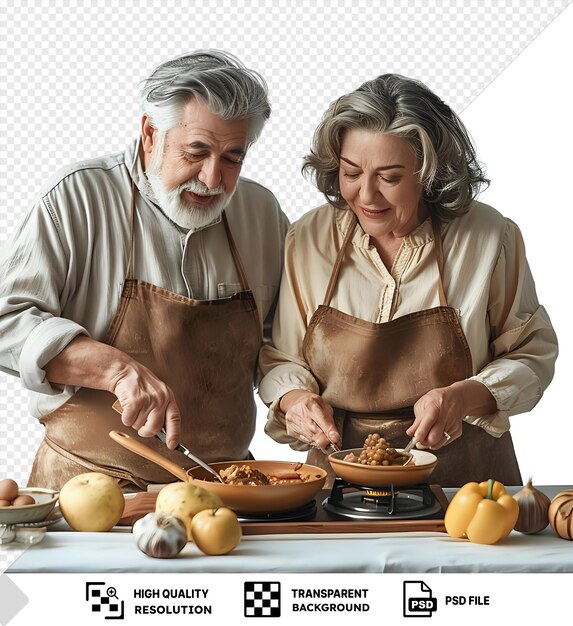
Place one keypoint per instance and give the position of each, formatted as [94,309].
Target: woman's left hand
[440,412]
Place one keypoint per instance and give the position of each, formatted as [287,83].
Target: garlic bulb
[159,535]
[533,510]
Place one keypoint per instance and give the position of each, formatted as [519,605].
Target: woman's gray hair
[449,172]
[217,79]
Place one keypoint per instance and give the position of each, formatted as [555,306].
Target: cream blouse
[486,278]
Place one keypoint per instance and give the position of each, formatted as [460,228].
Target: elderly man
[149,277]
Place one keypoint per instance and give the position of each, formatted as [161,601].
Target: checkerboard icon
[262,599]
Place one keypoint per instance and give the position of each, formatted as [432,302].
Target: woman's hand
[309,418]
[440,412]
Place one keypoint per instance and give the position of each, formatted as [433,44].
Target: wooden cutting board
[322,522]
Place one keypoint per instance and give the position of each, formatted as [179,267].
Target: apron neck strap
[236,256]
[348,235]
[439,259]
[129,272]
[338,263]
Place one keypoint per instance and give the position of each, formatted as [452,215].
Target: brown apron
[204,350]
[372,374]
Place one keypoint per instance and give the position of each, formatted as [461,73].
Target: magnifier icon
[112,593]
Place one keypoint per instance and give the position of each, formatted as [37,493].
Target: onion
[561,514]
[533,510]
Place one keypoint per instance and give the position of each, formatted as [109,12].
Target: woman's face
[378,180]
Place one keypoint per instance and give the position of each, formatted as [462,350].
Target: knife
[330,447]
[411,444]
[162,436]
[406,450]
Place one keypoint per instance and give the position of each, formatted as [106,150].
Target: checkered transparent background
[69,72]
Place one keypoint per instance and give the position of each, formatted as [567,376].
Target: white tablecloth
[115,551]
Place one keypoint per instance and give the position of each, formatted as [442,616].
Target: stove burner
[415,501]
[378,493]
[302,514]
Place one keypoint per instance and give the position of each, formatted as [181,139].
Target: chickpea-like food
[377,451]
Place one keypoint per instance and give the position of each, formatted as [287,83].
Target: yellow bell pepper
[483,513]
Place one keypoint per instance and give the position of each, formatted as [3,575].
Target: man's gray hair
[216,79]
[448,169]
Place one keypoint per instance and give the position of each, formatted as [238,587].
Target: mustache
[196,186]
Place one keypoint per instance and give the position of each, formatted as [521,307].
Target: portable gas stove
[358,509]
[361,502]
[346,508]
[304,513]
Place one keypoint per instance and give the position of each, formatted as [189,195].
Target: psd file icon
[418,599]
[262,599]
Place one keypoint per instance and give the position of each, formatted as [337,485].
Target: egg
[23,500]
[8,489]
[5,503]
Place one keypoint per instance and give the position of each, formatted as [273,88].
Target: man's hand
[442,411]
[148,404]
[309,418]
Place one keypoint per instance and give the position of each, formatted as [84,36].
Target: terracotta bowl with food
[417,471]
[295,484]
[289,485]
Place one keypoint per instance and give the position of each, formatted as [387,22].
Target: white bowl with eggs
[30,513]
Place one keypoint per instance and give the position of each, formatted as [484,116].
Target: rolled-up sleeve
[34,271]
[523,344]
[45,342]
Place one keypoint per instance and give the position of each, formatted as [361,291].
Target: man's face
[194,173]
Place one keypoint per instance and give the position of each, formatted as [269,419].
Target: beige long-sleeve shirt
[62,273]
[487,279]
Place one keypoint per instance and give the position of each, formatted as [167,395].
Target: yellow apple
[184,500]
[216,531]
[92,502]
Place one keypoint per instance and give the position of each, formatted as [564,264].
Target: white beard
[188,215]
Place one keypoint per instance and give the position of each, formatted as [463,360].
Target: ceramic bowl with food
[260,499]
[301,482]
[45,502]
[417,471]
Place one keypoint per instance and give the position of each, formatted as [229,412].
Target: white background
[70,71]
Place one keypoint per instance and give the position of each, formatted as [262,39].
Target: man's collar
[135,163]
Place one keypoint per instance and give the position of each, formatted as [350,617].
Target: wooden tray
[322,522]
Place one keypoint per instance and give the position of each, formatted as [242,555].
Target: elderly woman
[406,307]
